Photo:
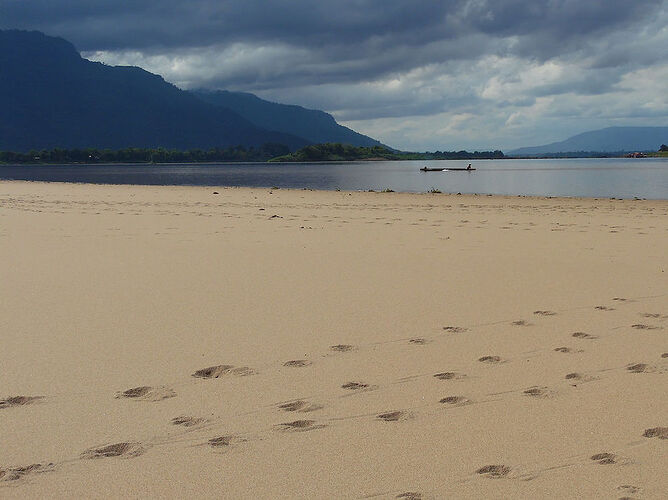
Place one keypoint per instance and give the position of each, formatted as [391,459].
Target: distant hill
[316,126]
[612,139]
[51,97]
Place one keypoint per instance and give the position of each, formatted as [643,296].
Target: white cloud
[206,66]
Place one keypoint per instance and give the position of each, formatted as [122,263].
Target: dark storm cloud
[339,40]
[339,24]
[564,18]
[140,24]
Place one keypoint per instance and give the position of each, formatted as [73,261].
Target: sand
[247,343]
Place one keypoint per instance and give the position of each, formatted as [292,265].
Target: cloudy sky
[416,74]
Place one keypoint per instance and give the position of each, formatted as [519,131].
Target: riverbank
[197,341]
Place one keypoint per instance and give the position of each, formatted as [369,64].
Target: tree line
[147,155]
[266,152]
[346,152]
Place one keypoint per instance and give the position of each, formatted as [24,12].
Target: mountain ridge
[605,140]
[51,97]
[314,125]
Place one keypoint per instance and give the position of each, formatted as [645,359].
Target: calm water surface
[598,178]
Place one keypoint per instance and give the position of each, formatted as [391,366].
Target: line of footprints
[159,393]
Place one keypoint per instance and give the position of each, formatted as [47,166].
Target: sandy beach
[247,343]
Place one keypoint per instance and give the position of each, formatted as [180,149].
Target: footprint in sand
[213,371]
[225,441]
[627,490]
[537,392]
[393,416]
[410,495]
[583,335]
[455,329]
[520,322]
[146,393]
[448,375]
[604,308]
[297,363]
[650,315]
[490,359]
[342,348]
[13,401]
[355,386]
[494,471]
[186,421]
[220,370]
[122,450]
[300,426]
[299,405]
[664,355]
[544,313]
[17,473]
[564,350]
[455,400]
[604,458]
[656,432]
[579,377]
[639,368]
[418,341]
[639,326]
[220,441]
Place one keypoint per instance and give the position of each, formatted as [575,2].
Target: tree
[663,147]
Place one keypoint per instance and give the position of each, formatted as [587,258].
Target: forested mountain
[51,97]
[612,139]
[316,126]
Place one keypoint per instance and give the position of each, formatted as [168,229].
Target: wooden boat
[427,169]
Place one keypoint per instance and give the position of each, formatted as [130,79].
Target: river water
[595,178]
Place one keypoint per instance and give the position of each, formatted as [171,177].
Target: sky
[419,75]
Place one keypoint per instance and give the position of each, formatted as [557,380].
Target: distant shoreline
[653,155]
[276,153]
[353,160]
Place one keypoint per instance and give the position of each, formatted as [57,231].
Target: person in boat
[469,167]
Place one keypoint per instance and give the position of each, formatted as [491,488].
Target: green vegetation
[661,153]
[267,152]
[271,152]
[146,155]
[336,152]
[345,152]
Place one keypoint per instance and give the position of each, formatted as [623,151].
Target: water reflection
[620,178]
